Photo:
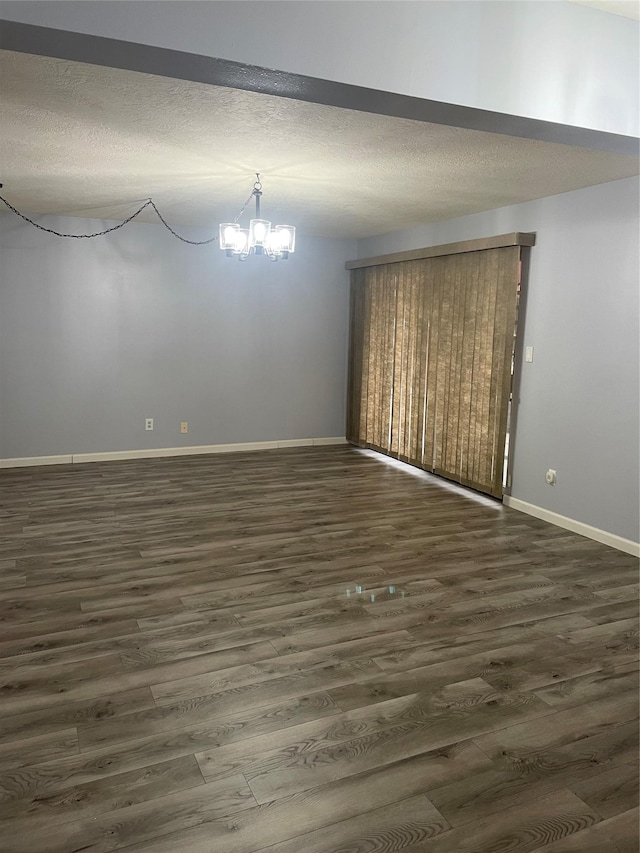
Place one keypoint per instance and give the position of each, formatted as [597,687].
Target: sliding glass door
[431,353]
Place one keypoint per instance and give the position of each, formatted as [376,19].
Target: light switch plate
[528,354]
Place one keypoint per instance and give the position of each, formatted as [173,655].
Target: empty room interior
[319,426]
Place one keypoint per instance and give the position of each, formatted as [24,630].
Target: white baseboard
[157,452]
[321,442]
[611,539]
[27,461]
[296,442]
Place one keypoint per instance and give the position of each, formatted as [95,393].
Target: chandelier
[261,238]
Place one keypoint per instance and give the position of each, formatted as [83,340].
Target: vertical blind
[430,364]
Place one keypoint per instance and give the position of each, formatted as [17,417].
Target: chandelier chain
[148,203]
[244,206]
[257,188]
[175,234]
[256,192]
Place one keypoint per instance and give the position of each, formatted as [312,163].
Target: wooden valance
[516,238]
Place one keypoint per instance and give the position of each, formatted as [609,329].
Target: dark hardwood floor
[188,664]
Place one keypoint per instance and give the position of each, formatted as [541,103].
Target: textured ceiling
[626,8]
[91,141]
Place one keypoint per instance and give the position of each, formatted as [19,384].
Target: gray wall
[96,335]
[553,60]
[579,400]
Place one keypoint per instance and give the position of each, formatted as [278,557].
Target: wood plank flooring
[307,651]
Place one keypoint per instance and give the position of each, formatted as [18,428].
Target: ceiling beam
[163,62]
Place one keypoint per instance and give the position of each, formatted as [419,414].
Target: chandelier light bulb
[258,233]
[241,245]
[228,237]
[287,237]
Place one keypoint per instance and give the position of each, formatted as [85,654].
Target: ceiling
[626,8]
[93,141]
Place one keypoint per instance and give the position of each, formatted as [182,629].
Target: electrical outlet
[148,423]
[184,427]
[551,477]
